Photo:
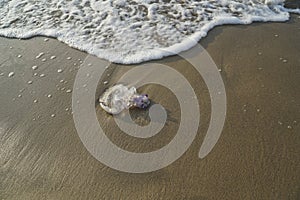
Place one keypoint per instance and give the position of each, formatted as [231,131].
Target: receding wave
[131,31]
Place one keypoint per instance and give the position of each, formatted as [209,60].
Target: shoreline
[256,157]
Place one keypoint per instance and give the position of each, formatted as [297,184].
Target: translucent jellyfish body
[119,97]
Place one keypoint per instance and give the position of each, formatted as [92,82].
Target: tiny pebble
[258,110]
[40,55]
[1,74]
[69,58]
[61,81]
[59,70]
[289,127]
[42,75]
[46,39]
[53,115]
[276,35]
[279,122]
[220,70]
[19,56]
[44,60]
[34,67]
[52,57]
[19,95]
[11,74]
[69,91]
[29,82]
[35,101]
[49,95]
[285,61]
[260,53]
[35,74]
[105,82]
[67,109]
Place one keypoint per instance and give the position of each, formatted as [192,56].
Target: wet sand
[257,156]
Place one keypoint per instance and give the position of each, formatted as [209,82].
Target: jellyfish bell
[119,97]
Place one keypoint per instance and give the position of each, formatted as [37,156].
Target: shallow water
[131,31]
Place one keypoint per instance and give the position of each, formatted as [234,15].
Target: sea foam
[131,31]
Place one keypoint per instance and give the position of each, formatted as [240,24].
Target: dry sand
[257,156]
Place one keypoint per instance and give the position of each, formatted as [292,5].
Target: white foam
[131,31]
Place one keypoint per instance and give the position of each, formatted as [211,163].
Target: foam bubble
[131,31]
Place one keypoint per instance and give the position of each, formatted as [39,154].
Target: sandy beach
[256,157]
